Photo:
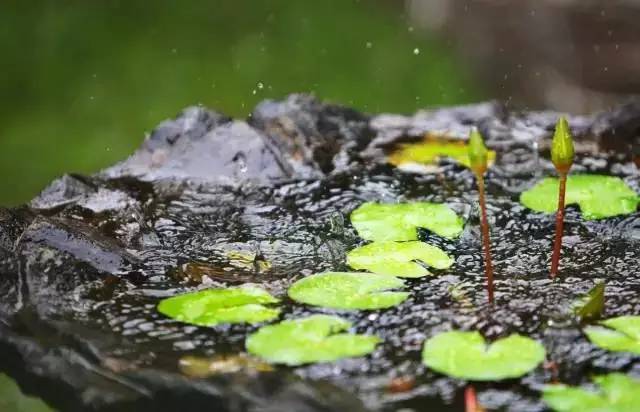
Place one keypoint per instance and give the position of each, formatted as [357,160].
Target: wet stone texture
[210,201]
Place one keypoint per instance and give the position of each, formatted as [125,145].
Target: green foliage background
[82,81]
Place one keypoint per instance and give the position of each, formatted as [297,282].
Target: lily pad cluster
[598,196]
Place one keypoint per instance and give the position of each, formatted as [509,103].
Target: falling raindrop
[416,51]
[369,45]
[260,85]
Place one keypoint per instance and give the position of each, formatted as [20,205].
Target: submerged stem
[557,244]
[486,240]
[470,400]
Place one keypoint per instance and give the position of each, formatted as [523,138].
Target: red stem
[557,245]
[470,400]
[486,241]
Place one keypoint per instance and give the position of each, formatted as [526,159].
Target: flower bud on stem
[562,154]
[478,161]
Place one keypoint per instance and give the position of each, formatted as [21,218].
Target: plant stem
[486,241]
[557,245]
[470,400]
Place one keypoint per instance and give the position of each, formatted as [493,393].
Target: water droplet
[254,91]
[260,85]
[416,51]
[369,45]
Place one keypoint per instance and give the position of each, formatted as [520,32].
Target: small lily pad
[430,151]
[598,196]
[398,258]
[621,334]
[591,305]
[13,400]
[308,340]
[348,290]
[618,393]
[400,221]
[465,355]
[245,304]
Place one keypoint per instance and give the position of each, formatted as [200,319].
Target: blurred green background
[83,81]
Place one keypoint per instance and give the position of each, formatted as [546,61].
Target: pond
[208,202]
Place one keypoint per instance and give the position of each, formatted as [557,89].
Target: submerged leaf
[398,258]
[430,151]
[308,340]
[348,290]
[621,334]
[198,367]
[618,393]
[465,355]
[400,221]
[214,306]
[598,196]
[591,305]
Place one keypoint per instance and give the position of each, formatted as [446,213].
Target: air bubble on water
[416,51]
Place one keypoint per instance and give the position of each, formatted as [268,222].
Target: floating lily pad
[591,305]
[13,400]
[598,196]
[430,151]
[210,307]
[465,355]
[621,334]
[308,340]
[348,290]
[618,393]
[398,258]
[400,221]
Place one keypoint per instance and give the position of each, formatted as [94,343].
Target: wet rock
[62,192]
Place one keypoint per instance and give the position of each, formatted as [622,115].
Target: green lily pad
[400,221]
[591,305]
[465,355]
[245,304]
[621,334]
[431,150]
[598,196]
[348,290]
[398,258]
[618,393]
[12,399]
[308,340]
